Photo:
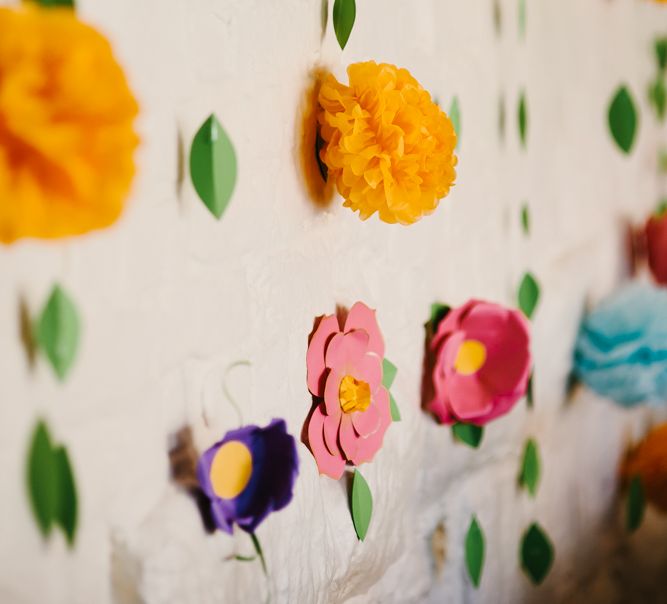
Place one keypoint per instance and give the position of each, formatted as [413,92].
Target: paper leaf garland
[529,391]
[523,119]
[525,219]
[474,550]
[213,166]
[529,477]
[51,485]
[661,53]
[623,119]
[469,434]
[657,94]
[361,504]
[57,331]
[344,13]
[529,295]
[455,116]
[636,505]
[537,554]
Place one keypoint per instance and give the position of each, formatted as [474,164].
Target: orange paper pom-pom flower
[66,134]
[388,146]
[648,461]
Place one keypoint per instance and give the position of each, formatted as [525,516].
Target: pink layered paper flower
[351,411]
[656,244]
[478,363]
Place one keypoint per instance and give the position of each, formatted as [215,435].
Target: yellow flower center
[470,357]
[231,469]
[354,395]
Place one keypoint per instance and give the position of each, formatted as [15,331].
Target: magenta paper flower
[478,363]
[351,412]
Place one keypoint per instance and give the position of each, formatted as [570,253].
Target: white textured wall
[170,298]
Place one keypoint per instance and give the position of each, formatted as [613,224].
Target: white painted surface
[171,297]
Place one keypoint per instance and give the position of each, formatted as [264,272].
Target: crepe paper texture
[523,119]
[65,187]
[525,219]
[455,116]
[621,349]
[361,505]
[351,408]
[388,376]
[656,243]
[249,474]
[469,434]
[51,485]
[647,462]
[213,166]
[622,117]
[58,330]
[657,95]
[344,13]
[528,295]
[477,363]
[474,552]
[636,505]
[388,147]
[536,554]
[529,477]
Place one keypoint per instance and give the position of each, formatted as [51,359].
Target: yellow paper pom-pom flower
[388,146]
[649,461]
[66,134]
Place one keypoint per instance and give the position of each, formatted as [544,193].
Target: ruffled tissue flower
[66,134]
[656,244]
[478,363]
[351,412]
[648,461]
[249,474]
[387,145]
[621,350]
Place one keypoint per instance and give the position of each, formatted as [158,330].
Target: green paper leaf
[657,95]
[55,3]
[529,391]
[661,210]
[523,119]
[661,53]
[67,509]
[537,554]
[388,373]
[623,119]
[529,295]
[455,117]
[42,479]
[469,434]
[636,505]
[529,477]
[393,408]
[438,313]
[57,331]
[260,553]
[344,13]
[361,503]
[213,166]
[525,219]
[475,552]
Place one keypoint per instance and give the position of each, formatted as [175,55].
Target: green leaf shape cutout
[661,53]
[55,3]
[361,503]
[529,391]
[525,219]
[537,554]
[475,547]
[344,13]
[57,331]
[623,119]
[455,117]
[438,313]
[393,408]
[529,478]
[388,373]
[523,119]
[67,510]
[213,166]
[42,478]
[529,294]
[470,434]
[636,505]
[657,95]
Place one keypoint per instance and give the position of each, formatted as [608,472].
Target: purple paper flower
[249,474]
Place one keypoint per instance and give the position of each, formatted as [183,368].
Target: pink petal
[328,464]
[327,327]
[368,447]
[332,394]
[366,422]
[345,351]
[451,323]
[362,317]
[330,431]
[369,370]
[468,398]
[349,441]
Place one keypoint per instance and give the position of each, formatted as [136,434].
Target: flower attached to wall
[348,379]
[621,350]
[477,362]
[656,244]
[386,144]
[66,133]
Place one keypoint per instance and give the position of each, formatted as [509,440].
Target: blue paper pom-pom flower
[621,350]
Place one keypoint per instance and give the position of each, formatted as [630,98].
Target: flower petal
[332,394]
[362,317]
[349,440]
[366,422]
[330,430]
[326,328]
[368,447]
[345,351]
[328,464]
[468,397]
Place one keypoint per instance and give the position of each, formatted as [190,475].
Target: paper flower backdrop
[387,145]
[66,134]
[351,410]
[648,462]
[477,363]
[621,350]
[249,474]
